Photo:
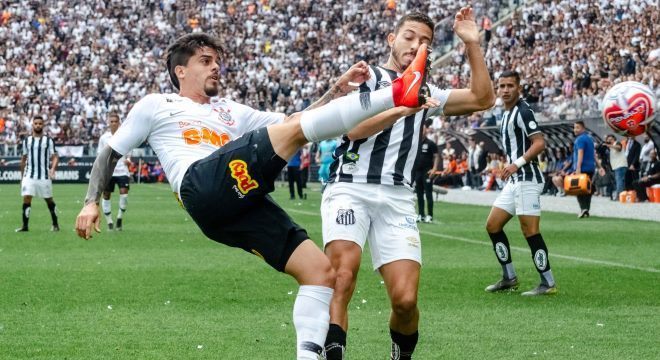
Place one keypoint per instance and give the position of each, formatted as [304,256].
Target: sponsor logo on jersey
[384,83]
[244,181]
[193,136]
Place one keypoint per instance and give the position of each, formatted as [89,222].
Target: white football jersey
[182,131]
[121,169]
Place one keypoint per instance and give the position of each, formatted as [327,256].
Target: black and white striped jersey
[38,151]
[387,157]
[518,124]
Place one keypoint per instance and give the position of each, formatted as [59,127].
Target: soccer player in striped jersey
[38,165]
[369,195]
[120,178]
[523,142]
[222,159]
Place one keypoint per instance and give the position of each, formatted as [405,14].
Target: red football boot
[410,89]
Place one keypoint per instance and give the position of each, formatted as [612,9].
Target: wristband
[520,162]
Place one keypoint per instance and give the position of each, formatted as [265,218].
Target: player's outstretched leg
[311,310]
[343,114]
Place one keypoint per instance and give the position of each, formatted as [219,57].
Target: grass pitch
[161,290]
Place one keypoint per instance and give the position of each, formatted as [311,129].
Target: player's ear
[390,39]
[180,72]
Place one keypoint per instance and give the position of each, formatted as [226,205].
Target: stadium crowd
[569,54]
[75,61]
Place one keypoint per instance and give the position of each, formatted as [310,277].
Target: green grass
[160,290]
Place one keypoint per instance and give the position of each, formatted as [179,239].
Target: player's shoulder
[525,111]
[106,135]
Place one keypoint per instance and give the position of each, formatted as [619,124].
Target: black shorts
[226,194]
[121,181]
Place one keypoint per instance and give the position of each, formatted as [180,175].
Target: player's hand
[508,171]
[430,103]
[465,26]
[88,219]
[51,174]
[352,78]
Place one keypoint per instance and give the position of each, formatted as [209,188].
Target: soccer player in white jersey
[120,178]
[521,196]
[222,159]
[38,165]
[369,196]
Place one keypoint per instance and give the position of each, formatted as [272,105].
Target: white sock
[123,201]
[106,205]
[311,318]
[343,114]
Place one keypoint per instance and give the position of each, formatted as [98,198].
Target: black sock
[335,343]
[503,253]
[403,346]
[540,258]
[26,215]
[53,215]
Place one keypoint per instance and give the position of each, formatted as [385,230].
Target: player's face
[201,72]
[405,43]
[114,124]
[38,126]
[508,89]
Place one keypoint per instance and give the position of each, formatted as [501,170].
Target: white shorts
[520,198]
[38,188]
[383,215]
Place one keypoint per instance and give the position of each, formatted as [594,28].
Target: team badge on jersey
[225,116]
[244,182]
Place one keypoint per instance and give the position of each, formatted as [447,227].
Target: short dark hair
[184,48]
[511,73]
[581,123]
[113,114]
[417,17]
[38,117]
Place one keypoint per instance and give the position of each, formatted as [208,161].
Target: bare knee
[404,305]
[492,227]
[345,280]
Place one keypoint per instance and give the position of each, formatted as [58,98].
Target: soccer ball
[628,108]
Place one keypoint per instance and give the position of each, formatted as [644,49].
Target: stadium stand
[86,58]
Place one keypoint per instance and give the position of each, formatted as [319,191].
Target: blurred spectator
[650,175]
[633,151]
[618,163]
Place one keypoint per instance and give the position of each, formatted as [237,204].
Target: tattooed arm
[348,82]
[102,170]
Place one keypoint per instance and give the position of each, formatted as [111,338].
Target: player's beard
[398,57]
[38,131]
[211,91]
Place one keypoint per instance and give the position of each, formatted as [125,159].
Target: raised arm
[480,96]
[356,74]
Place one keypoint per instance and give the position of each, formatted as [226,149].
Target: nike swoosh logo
[176,112]
[418,76]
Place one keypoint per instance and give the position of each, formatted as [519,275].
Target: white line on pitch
[519,249]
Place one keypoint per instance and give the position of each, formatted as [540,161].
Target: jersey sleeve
[527,122]
[51,147]
[137,126]
[441,95]
[24,147]
[255,119]
[103,141]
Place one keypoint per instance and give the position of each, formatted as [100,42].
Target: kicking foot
[410,89]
